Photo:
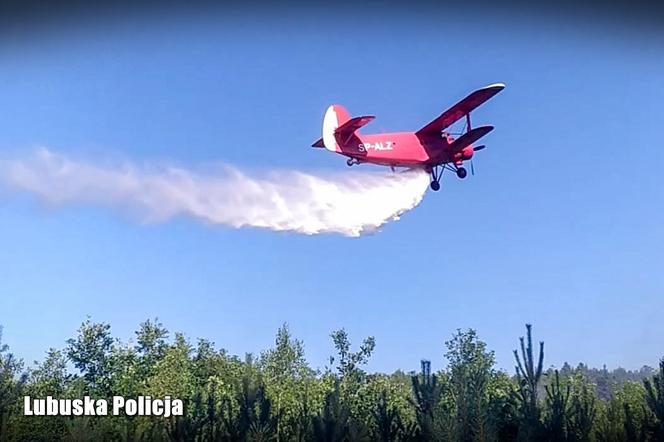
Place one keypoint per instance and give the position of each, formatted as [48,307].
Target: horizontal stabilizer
[354,124]
[470,137]
[346,130]
[459,110]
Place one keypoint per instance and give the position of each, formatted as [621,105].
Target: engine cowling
[464,154]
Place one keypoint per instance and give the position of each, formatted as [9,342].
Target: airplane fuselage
[402,149]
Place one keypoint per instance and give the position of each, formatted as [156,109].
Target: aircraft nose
[467,152]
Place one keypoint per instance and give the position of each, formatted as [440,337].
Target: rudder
[335,116]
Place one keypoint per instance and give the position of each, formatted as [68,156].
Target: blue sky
[561,226]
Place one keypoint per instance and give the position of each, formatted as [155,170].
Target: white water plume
[350,202]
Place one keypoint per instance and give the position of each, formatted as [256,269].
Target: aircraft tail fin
[339,127]
[335,116]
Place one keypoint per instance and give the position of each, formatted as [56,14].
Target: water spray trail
[350,203]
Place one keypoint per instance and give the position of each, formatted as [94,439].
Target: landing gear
[352,161]
[437,172]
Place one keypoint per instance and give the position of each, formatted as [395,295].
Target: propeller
[475,149]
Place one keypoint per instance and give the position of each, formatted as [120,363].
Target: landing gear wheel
[349,162]
[435,185]
[461,172]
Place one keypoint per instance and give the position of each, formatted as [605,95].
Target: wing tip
[497,86]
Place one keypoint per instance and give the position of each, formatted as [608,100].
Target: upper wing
[459,110]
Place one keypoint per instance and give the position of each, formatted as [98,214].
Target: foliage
[557,399]
[655,400]
[278,396]
[12,381]
[427,393]
[529,376]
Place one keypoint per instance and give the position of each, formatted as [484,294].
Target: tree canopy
[278,396]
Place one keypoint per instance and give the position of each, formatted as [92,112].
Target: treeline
[277,396]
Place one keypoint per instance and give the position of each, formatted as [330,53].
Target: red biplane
[430,148]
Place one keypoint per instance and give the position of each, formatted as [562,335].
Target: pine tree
[528,378]
[655,400]
[557,398]
[583,411]
[387,419]
[331,425]
[427,393]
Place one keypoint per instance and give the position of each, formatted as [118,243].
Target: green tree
[48,378]
[173,376]
[583,409]
[471,368]
[632,433]
[388,425]
[90,352]
[351,376]
[12,380]
[557,400]
[655,400]
[286,374]
[502,413]
[427,395]
[151,345]
[610,421]
[635,415]
[349,362]
[528,376]
[334,422]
